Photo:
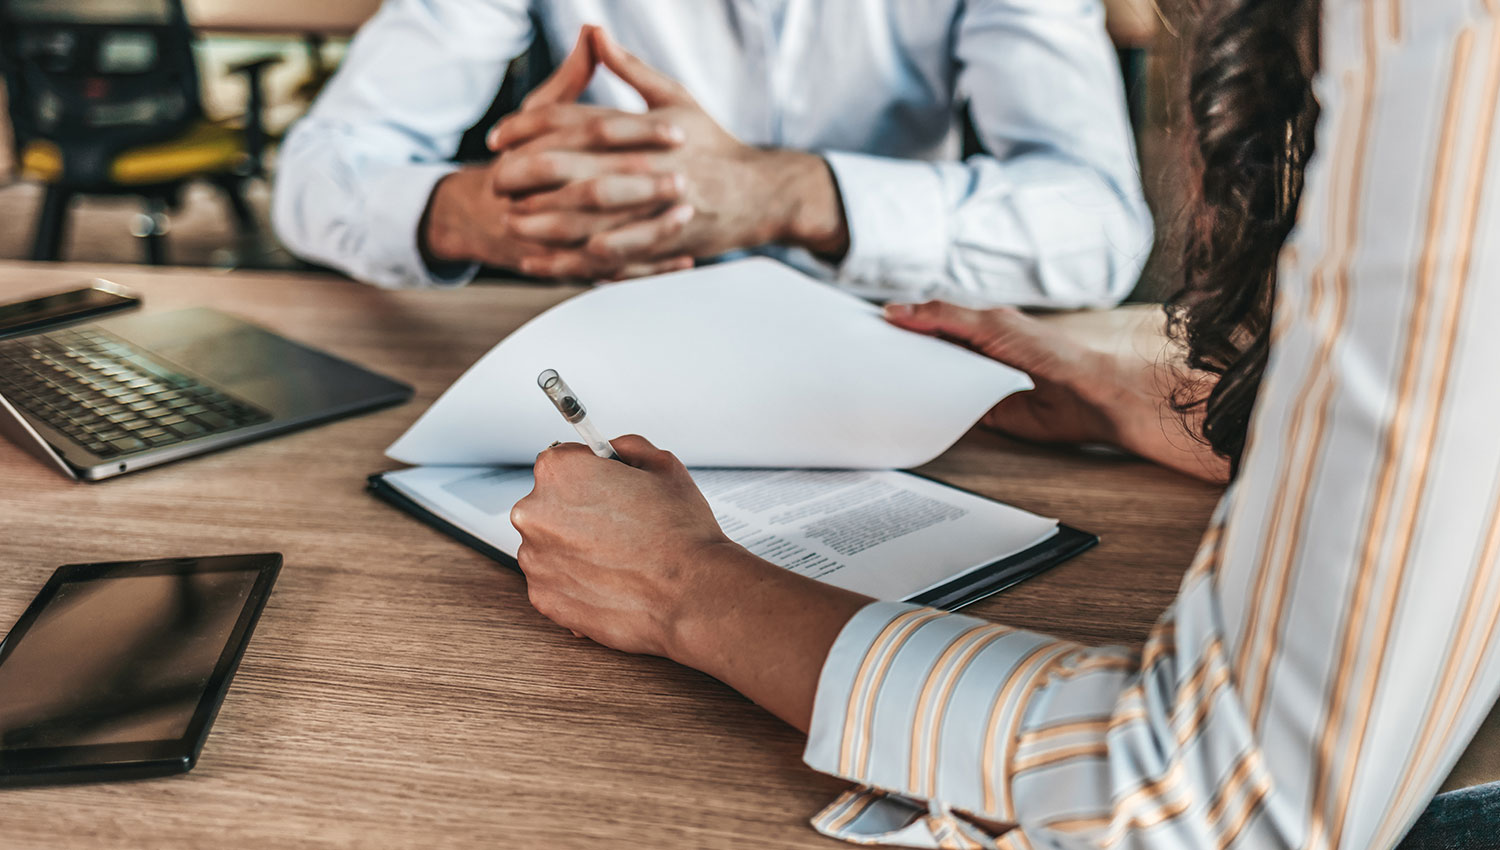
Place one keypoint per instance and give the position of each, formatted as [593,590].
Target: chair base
[151,225]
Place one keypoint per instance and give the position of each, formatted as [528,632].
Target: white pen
[573,410]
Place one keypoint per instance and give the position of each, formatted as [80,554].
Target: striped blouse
[1333,647]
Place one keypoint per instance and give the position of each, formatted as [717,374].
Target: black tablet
[116,670]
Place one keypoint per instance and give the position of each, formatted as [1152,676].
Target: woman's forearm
[760,629]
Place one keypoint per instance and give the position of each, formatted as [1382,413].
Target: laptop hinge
[16,429]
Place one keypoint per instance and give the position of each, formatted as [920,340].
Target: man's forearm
[805,209]
[445,232]
[815,218]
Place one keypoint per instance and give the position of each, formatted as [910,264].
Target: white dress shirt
[1335,645]
[1055,216]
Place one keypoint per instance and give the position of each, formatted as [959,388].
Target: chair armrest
[254,66]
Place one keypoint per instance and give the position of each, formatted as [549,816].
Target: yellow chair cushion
[207,148]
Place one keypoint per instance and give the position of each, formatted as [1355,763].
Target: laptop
[105,398]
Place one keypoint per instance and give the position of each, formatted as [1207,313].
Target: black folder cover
[964,590]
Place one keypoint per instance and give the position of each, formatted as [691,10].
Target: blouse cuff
[924,707]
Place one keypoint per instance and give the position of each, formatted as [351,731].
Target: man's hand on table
[585,191]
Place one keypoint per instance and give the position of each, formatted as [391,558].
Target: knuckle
[594,194]
[549,116]
[546,165]
[602,249]
[503,172]
[541,599]
[524,225]
[631,441]
[576,266]
[602,131]
[545,465]
[671,186]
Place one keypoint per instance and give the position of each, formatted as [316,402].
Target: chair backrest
[98,75]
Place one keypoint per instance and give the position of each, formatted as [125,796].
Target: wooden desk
[1131,23]
[400,692]
[255,17]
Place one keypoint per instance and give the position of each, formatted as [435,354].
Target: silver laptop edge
[61,452]
[15,427]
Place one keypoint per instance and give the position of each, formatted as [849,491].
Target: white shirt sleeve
[354,176]
[1333,648]
[1053,215]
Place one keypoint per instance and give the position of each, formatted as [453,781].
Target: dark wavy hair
[1245,125]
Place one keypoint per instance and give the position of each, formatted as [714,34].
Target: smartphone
[117,670]
[38,314]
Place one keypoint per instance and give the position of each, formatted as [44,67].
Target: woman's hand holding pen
[613,550]
[630,555]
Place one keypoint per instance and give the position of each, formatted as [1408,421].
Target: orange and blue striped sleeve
[1333,647]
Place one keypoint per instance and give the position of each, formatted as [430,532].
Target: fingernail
[681,214]
[898,311]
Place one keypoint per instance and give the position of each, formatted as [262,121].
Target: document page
[744,364]
[891,535]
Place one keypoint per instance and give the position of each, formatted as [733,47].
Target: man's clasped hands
[581,191]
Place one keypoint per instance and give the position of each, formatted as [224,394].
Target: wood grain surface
[324,17]
[400,692]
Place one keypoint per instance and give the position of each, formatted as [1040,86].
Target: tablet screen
[120,659]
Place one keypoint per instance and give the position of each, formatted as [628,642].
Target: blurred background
[186,181]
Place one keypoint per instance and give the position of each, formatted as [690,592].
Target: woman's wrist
[688,619]
[1105,387]
[760,629]
[1136,403]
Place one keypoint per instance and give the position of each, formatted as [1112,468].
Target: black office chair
[104,100]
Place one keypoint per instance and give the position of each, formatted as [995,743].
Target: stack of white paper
[747,364]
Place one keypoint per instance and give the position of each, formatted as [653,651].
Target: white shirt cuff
[398,197]
[898,222]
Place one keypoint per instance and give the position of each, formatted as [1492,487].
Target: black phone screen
[39,313]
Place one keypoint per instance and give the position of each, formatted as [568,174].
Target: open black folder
[888,534]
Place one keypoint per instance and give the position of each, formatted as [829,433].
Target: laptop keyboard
[111,397]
